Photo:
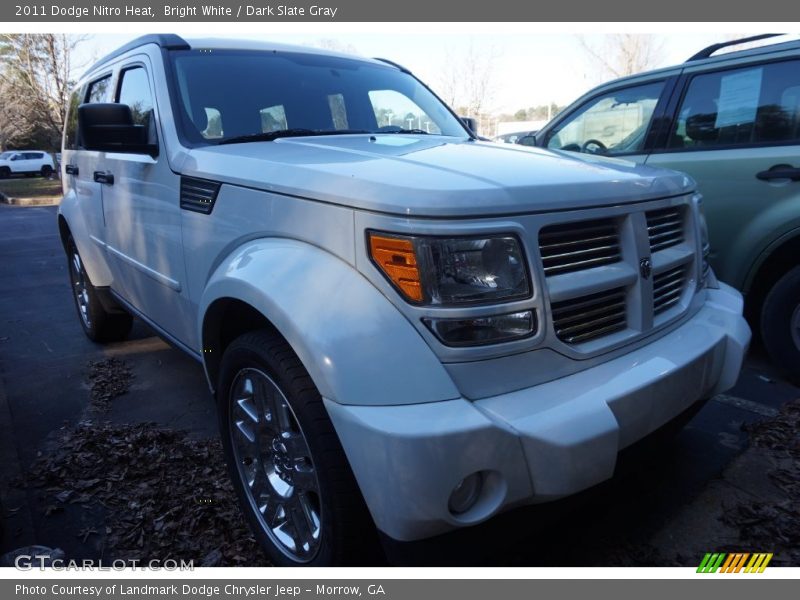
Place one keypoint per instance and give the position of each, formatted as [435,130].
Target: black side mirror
[472,124]
[109,127]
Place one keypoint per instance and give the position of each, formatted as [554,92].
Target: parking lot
[671,506]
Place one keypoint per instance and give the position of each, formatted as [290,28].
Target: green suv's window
[612,124]
[739,107]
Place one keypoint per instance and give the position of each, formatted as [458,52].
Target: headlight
[452,271]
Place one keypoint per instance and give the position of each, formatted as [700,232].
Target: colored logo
[736,562]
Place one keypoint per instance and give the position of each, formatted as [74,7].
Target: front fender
[354,343]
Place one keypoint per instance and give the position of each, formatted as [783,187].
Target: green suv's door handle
[780,172]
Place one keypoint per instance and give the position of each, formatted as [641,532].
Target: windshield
[6,155]
[236,96]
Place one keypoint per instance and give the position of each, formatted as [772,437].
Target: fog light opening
[465,494]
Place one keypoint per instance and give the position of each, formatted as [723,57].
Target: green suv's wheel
[99,324]
[780,323]
[290,473]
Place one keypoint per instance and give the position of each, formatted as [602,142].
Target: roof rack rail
[707,52]
[392,63]
[168,41]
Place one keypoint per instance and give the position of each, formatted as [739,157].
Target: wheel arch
[356,346]
[775,261]
[226,319]
[64,231]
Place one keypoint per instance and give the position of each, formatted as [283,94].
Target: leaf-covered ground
[165,495]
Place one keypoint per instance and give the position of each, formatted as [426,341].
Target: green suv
[732,122]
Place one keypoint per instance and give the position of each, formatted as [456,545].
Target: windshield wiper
[402,131]
[269,136]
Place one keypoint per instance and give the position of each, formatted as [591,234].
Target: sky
[528,69]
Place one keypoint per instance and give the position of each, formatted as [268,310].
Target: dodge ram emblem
[645,268]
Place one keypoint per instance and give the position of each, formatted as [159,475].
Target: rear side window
[98,90]
[740,107]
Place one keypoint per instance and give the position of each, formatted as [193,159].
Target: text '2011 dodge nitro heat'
[405,328]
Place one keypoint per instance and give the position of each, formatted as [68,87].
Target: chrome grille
[587,317]
[667,288]
[665,227]
[570,247]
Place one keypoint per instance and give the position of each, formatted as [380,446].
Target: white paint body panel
[540,443]
[287,236]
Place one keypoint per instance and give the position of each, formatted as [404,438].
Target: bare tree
[335,45]
[467,80]
[622,54]
[35,75]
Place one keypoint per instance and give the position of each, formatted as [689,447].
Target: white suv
[403,326]
[25,162]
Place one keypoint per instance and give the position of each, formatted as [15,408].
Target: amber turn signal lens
[395,257]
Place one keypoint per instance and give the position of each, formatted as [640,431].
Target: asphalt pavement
[45,358]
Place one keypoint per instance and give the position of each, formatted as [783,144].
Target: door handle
[104,177]
[779,172]
[71,169]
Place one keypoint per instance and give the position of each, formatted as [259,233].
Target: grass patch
[30,187]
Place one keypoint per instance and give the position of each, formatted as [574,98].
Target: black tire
[99,325]
[46,171]
[5,172]
[346,533]
[780,324]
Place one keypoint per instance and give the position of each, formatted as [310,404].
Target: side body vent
[198,195]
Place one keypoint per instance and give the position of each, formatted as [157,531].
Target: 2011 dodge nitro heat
[404,327]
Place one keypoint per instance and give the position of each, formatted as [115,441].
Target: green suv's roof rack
[707,52]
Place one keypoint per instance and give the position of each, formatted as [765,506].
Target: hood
[420,175]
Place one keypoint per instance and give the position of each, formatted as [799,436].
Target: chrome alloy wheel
[80,287]
[274,465]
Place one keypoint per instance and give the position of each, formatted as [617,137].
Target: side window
[752,105]
[98,90]
[134,90]
[614,123]
[71,126]
[394,110]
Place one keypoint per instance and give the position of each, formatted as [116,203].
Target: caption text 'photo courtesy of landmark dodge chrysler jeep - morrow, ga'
[405,327]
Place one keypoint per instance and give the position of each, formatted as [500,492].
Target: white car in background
[25,162]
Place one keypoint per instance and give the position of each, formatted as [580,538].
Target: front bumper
[540,443]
